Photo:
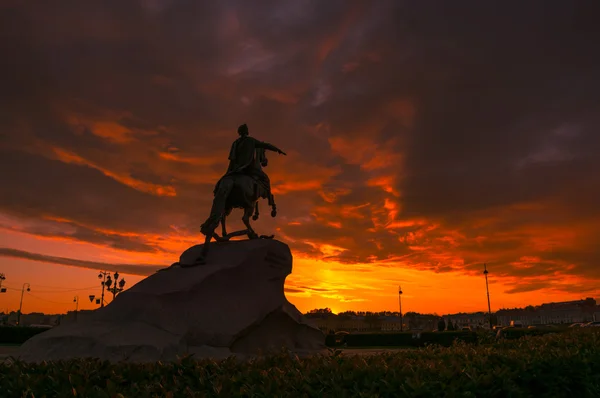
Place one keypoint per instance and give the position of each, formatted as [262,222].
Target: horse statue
[242,191]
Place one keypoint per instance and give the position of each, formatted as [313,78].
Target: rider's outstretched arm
[268,146]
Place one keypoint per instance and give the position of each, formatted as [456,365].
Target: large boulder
[233,305]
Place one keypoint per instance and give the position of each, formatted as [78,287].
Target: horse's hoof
[267,236]
[255,217]
[253,236]
[273,213]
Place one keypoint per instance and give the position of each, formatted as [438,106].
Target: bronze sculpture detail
[241,187]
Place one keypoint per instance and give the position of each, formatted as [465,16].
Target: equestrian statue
[241,187]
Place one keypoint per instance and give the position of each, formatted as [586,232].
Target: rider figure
[242,157]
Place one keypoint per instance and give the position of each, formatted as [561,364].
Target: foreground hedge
[517,333]
[446,339]
[548,366]
[403,339]
[18,334]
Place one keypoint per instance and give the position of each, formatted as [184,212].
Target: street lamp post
[103,276]
[114,286]
[2,278]
[485,272]
[118,285]
[400,305]
[76,301]
[21,304]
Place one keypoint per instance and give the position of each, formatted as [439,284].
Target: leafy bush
[17,334]
[554,365]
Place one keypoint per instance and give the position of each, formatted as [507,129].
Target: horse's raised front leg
[246,219]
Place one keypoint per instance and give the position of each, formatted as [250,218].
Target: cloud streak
[132,269]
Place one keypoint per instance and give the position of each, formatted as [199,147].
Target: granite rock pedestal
[233,305]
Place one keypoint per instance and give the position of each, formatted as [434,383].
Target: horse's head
[261,157]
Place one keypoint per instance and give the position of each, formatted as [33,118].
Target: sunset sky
[424,139]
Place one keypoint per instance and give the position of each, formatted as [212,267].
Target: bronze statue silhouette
[242,186]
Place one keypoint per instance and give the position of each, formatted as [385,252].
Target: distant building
[391,324]
[325,322]
[34,318]
[565,312]
[355,323]
[475,320]
[504,317]
[424,322]
[73,316]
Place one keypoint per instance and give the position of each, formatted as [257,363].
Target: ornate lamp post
[114,286]
[400,305]
[117,286]
[485,272]
[21,304]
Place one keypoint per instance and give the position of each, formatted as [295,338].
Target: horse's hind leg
[223,227]
[216,215]
[255,216]
[246,219]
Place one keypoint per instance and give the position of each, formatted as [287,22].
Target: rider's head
[243,130]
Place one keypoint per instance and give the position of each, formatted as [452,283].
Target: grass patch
[554,365]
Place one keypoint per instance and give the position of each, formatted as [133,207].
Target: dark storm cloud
[508,78]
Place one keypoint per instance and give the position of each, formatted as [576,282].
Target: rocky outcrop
[235,304]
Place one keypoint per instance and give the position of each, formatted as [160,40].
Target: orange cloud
[331,196]
[295,175]
[154,189]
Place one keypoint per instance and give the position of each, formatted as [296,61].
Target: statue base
[233,305]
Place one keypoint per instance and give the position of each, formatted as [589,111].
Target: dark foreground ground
[7,351]
[555,365]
